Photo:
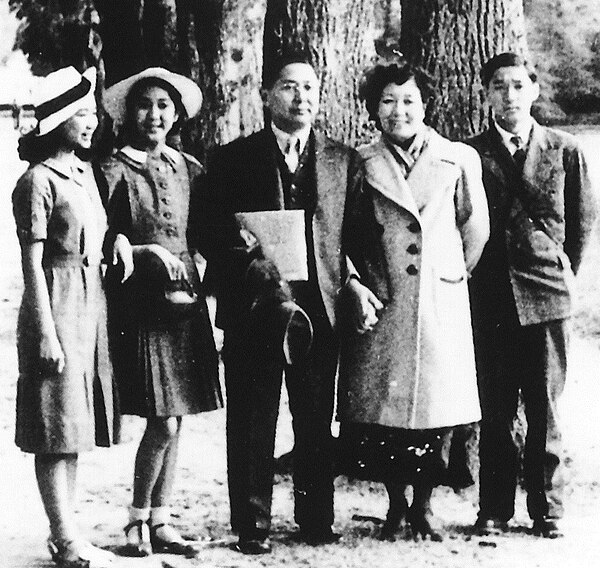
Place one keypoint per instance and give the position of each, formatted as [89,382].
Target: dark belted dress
[164,367]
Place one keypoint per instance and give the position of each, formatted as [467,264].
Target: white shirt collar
[283,138]
[523,134]
[140,156]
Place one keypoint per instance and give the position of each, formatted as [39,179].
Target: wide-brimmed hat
[115,96]
[61,94]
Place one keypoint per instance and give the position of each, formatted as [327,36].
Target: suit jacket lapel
[266,171]
[497,158]
[329,170]
[541,159]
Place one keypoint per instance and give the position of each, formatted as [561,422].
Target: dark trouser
[253,384]
[531,360]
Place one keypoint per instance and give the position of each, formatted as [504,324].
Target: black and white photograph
[300,283]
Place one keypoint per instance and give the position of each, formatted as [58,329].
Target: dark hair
[128,130]
[506,59]
[379,77]
[272,71]
[35,149]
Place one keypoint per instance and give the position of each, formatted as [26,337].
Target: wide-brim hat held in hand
[115,96]
[61,94]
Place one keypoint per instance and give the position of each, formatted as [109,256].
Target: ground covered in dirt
[201,507]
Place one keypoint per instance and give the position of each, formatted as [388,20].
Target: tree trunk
[450,39]
[159,34]
[337,35]
[228,36]
[123,46]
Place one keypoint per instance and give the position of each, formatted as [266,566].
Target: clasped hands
[364,306]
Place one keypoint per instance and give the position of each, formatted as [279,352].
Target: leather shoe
[252,546]
[170,547]
[546,528]
[319,536]
[490,526]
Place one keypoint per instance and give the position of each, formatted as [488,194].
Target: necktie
[520,154]
[291,155]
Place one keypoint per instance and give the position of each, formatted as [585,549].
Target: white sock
[138,514]
[162,516]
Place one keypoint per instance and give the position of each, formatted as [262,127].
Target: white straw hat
[114,97]
[61,94]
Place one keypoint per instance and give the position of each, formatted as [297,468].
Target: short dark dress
[163,366]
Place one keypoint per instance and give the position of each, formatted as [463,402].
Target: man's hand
[364,306]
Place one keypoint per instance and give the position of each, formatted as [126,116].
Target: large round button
[412,249]
[414,227]
[412,269]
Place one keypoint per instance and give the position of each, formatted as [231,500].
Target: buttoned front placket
[160,171]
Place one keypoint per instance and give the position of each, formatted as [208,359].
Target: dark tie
[520,154]
[292,153]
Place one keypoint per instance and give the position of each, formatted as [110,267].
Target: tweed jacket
[413,242]
[243,176]
[537,238]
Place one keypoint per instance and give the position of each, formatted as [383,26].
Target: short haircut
[507,59]
[272,71]
[379,77]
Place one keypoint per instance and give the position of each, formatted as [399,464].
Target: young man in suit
[541,214]
[287,165]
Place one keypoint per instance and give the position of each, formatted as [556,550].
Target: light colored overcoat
[414,242]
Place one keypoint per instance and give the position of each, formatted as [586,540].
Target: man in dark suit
[287,165]
[541,214]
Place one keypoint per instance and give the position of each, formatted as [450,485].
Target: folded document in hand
[282,238]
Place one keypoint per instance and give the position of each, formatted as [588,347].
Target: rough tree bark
[228,35]
[338,35]
[450,39]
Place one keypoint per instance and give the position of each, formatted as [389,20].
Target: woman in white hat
[65,396]
[166,363]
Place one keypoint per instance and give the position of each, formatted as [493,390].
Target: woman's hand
[52,358]
[364,306]
[174,266]
[123,252]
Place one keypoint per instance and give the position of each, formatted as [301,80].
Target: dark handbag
[154,297]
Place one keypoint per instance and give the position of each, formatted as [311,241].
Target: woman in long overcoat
[65,402]
[414,229]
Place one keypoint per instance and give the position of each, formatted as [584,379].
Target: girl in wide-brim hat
[165,357]
[65,396]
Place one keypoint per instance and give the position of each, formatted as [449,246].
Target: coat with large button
[414,242]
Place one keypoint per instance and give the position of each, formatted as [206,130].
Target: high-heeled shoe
[421,527]
[79,555]
[138,545]
[173,546]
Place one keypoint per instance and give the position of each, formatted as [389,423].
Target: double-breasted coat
[414,242]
